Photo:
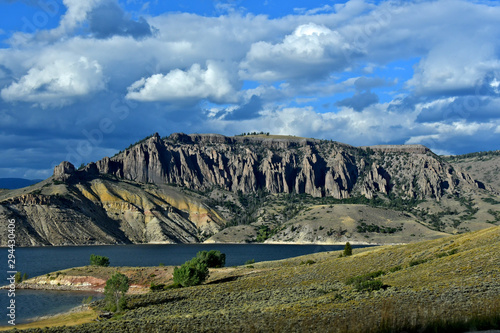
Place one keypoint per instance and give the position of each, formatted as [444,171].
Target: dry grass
[454,288]
[67,319]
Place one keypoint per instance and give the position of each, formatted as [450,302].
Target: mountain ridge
[250,183]
[316,167]
[15,183]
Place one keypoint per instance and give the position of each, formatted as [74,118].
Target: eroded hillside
[101,210]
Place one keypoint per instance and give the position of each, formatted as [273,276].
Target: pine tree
[347,249]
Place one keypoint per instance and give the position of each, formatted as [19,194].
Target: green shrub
[369,285]
[173,286]
[444,254]
[191,273]
[96,260]
[87,300]
[364,277]
[156,287]
[417,262]
[264,233]
[395,268]
[249,262]
[366,282]
[212,258]
[363,227]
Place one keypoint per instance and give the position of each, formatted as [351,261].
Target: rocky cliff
[316,167]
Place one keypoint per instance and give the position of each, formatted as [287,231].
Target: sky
[81,80]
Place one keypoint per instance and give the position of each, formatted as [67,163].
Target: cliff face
[105,211]
[318,168]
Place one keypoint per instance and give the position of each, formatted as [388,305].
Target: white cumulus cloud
[196,83]
[455,68]
[57,83]
[311,51]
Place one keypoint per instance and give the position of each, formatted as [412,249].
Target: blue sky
[81,80]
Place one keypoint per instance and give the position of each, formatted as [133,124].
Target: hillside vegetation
[449,284]
[484,166]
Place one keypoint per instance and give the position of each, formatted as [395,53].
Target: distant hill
[15,183]
[483,166]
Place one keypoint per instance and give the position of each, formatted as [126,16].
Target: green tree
[87,300]
[212,258]
[191,273]
[96,260]
[114,292]
[25,277]
[347,249]
[263,233]
[18,277]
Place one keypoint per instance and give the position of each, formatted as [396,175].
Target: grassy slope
[289,295]
[325,220]
[321,224]
[67,319]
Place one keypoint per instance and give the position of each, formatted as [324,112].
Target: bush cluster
[195,271]
[213,258]
[363,227]
[96,260]
[417,262]
[191,273]
[367,282]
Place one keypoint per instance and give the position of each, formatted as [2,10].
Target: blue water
[41,260]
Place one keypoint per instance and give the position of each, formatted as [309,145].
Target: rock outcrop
[64,171]
[316,167]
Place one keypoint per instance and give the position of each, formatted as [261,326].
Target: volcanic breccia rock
[316,167]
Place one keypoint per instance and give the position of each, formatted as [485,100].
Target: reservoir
[42,260]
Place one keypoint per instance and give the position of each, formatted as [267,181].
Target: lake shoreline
[68,267]
[213,243]
[76,309]
[70,317]
[34,286]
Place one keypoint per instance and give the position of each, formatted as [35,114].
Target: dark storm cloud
[246,111]
[109,20]
[367,83]
[470,108]
[359,101]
